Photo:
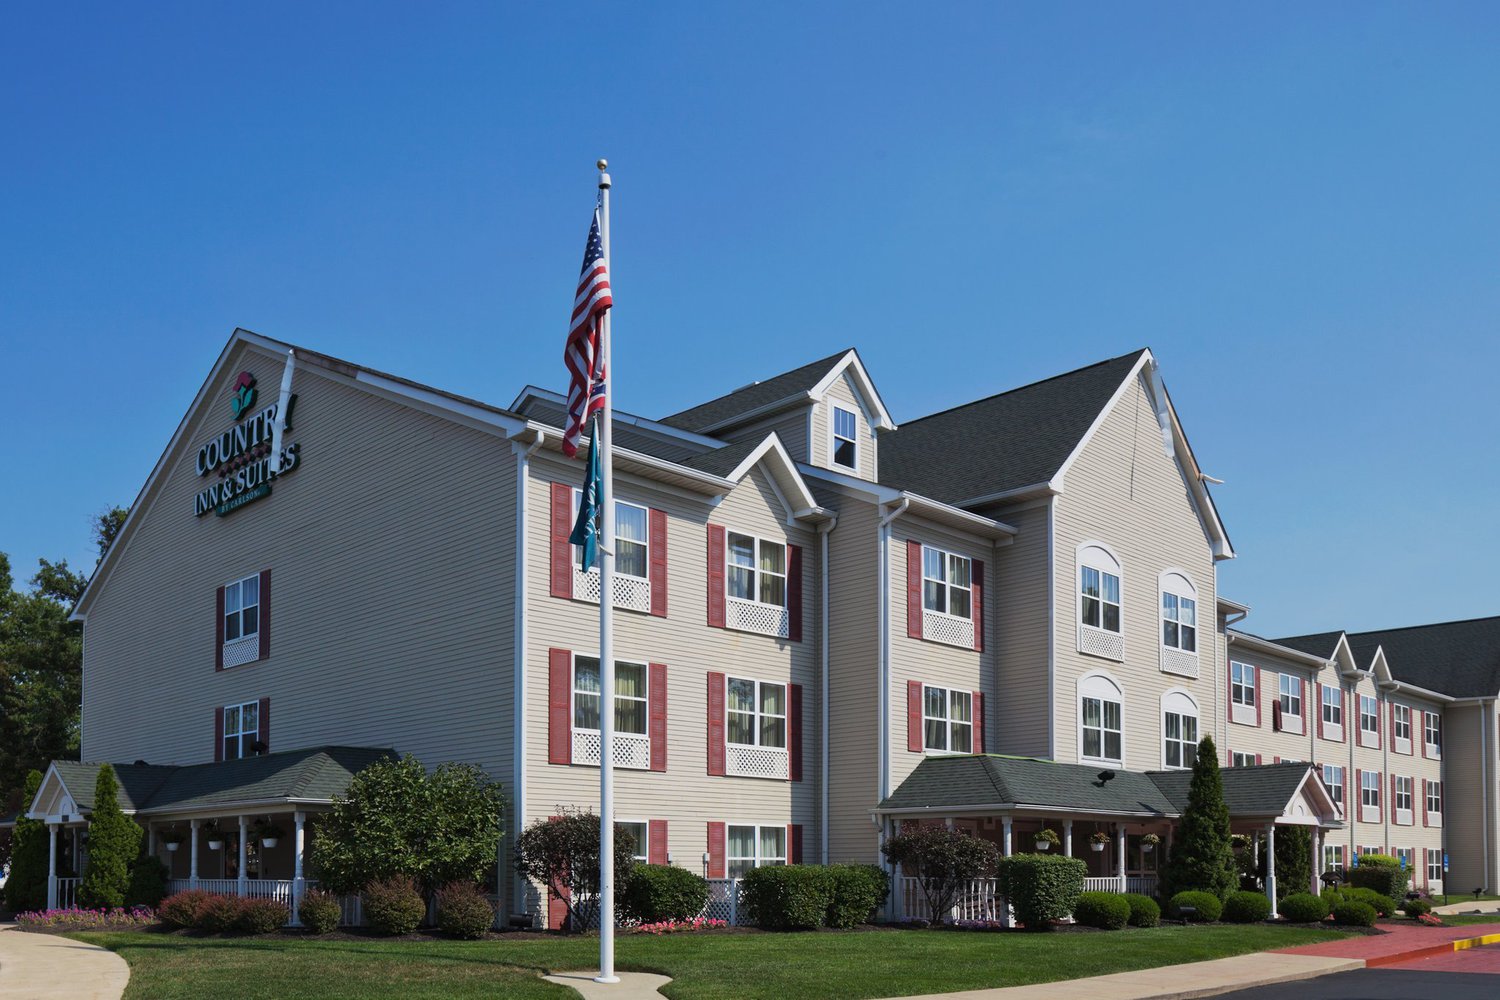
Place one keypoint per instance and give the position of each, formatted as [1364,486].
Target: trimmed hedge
[1304,908]
[1376,901]
[1382,873]
[1041,888]
[463,912]
[260,916]
[1354,914]
[787,897]
[394,906]
[1415,908]
[1332,897]
[1246,908]
[1106,910]
[1143,910]
[856,892]
[181,908]
[657,893]
[1206,904]
[219,914]
[319,911]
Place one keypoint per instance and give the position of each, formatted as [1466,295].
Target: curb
[1462,944]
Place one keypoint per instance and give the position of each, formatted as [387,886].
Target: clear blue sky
[1296,208]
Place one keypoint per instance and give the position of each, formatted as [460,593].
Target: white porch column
[1316,835]
[193,855]
[1120,853]
[1068,838]
[244,886]
[298,843]
[1271,866]
[151,839]
[1005,824]
[51,866]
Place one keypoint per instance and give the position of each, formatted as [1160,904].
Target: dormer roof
[786,391]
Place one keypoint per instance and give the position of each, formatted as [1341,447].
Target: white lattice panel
[723,902]
[755,762]
[752,616]
[631,592]
[946,628]
[1098,642]
[1175,661]
[241,651]
[630,750]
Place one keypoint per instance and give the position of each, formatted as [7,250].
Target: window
[1333,857]
[1369,789]
[755,847]
[947,720]
[1333,707]
[1369,719]
[1402,728]
[631,547]
[1102,729]
[845,446]
[1237,759]
[1291,696]
[1179,622]
[1432,732]
[1403,797]
[1242,685]
[1101,598]
[1179,729]
[630,696]
[1333,777]
[639,833]
[1404,855]
[946,586]
[756,713]
[757,569]
[242,609]
[241,728]
[1434,865]
[1434,798]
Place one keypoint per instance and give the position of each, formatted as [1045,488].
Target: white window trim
[1091,685]
[1177,701]
[754,615]
[577,498]
[1434,750]
[757,759]
[1186,590]
[1368,737]
[1369,812]
[948,722]
[640,742]
[757,712]
[1434,816]
[1434,865]
[834,438]
[1333,857]
[1342,799]
[643,847]
[1333,731]
[1249,759]
[240,732]
[1291,722]
[1241,714]
[759,860]
[1407,816]
[947,555]
[243,637]
[1096,555]
[1397,743]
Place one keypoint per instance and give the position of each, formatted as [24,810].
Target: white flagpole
[606,631]
[283,400]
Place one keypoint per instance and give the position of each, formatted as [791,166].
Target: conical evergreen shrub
[114,842]
[1202,858]
[26,888]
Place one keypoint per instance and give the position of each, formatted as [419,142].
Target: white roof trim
[774,454]
[850,362]
[620,416]
[977,524]
[1380,669]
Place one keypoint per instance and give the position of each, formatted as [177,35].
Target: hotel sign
[241,456]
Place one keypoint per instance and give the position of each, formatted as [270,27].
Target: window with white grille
[1179,730]
[1290,699]
[755,583]
[845,428]
[1434,865]
[632,744]
[1401,728]
[1101,717]
[947,720]
[1432,733]
[241,729]
[1333,707]
[632,580]
[1369,721]
[1333,777]
[1403,799]
[1242,693]
[755,727]
[1238,759]
[1179,614]
[755,847]
[1100,626]
[1434,800]
[947,597]
[1369,795]
[1333,857]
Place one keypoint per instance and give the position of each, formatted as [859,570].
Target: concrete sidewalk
[632,985]
[1473,906]
[49,967]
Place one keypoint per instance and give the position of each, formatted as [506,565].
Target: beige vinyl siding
[1021,717]
[1124,492]
[1263,739]
[392,574]
[1470,812]
[685,795]
[843,393]
[791,427]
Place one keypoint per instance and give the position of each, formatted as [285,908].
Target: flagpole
[604,428]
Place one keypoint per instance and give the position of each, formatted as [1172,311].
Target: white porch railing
[67,892]
[1110,883]
[980,900]
[1143,884]
[283,890]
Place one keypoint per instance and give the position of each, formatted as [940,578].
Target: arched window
[1101,719]
[1179,725]
[1100,618]
[1179,612]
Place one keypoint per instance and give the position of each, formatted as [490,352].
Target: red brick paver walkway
[1399,942]
[1486,959]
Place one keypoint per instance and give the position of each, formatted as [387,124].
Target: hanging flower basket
[1149,842]
[1099,841]
[172,845]
[216,845]
[1046,840]
[1097,846]
[173,839]
[267,833]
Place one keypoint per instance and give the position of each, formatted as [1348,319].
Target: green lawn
[704,967]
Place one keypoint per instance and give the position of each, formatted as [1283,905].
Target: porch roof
[313,774]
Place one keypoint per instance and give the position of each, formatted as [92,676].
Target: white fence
[67,892]
[724,902]
[981,899]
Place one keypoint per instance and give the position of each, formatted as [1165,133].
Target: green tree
[397,821]
[106,526]
[114,843]
[26,888]
[1293,860]
[943,861]
[562,853]
[1202,858]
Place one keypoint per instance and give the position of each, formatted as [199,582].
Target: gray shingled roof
[1455,658]
[314,773]
[722,461]
[754,396]
[1316,644]
[1016,439]
[969,781]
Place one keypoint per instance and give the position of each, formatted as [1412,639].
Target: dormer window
[845,442]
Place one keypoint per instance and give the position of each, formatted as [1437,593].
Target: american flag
[582,353]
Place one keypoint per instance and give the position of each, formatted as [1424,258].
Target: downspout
[1484,784]
[823,531]
[1388,783]
[518,746]
[1051,630]
[1352,800]
[883,605]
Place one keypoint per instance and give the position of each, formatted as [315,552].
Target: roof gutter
[992,807]
[1285,652]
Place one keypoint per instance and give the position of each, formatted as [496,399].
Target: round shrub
[1041,888]
[261,916]
[394,906]
[1304,908]
[463,911]
[855,893]
[1106,910]
[787,897]
[1383,874]
[1143,910]
[1245,908]
[319,911]
[1415,908]
[657,893]
[220,914]
[1354,914]
[1206,904]
[1374,900]
[181,908]
[1332,897]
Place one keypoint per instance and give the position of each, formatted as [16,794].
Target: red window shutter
[219,631]
[1343,716]
[794,592]
[264,733]
[716,576]
[794,731]
[1229,692]
[657,695]
[265,614]
[979,722]
[559,706]
[658,544]
[1276,760]
[1391,705]
[1424,865]
[218,733]
[562,549]
[1257,759]
[1424,805]
[794,843]
[914,716]
[656,841]
[1424,740]
[1318,690]
[1393,796]
[1257,695]
[716,725]
[976,602]
[716,838]
[914,589]
[1381,817]
[1306,706]
[1379,723]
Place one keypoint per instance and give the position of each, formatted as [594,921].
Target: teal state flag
[586,528]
